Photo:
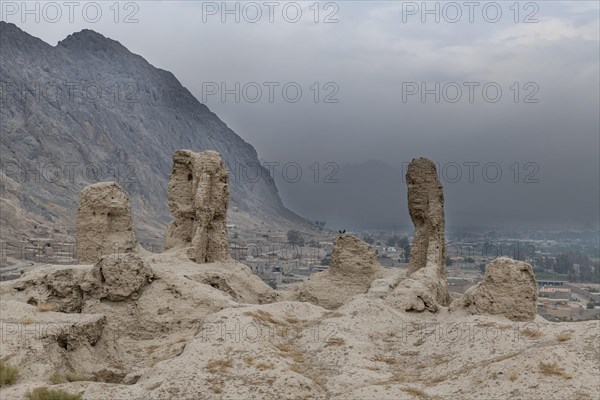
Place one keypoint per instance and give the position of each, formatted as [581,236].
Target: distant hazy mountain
[89,110]
[371,194]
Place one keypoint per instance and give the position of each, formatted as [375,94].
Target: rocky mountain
[88,110]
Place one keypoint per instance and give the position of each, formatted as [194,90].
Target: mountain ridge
[89,104]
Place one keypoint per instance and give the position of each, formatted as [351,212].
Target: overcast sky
[543,55]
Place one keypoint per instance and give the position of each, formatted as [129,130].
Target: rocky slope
[88,110]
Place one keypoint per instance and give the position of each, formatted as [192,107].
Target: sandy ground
[215,331]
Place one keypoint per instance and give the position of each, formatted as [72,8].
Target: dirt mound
[353,268]
[117,277]
[508,289]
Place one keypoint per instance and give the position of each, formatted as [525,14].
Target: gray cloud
[369,54]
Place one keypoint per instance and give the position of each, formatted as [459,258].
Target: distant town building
[555,292]
[277,277]
[544,283]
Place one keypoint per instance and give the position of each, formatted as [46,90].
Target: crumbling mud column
[426,209]
[104,225]
[198,199]
[426,285]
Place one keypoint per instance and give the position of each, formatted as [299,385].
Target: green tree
[295,238]
[590,305]
[406,249]
[585,273]
[548,263]
[403,242]
[368,239]
[393,241]
[563,263]
[320,224]
[596,273]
